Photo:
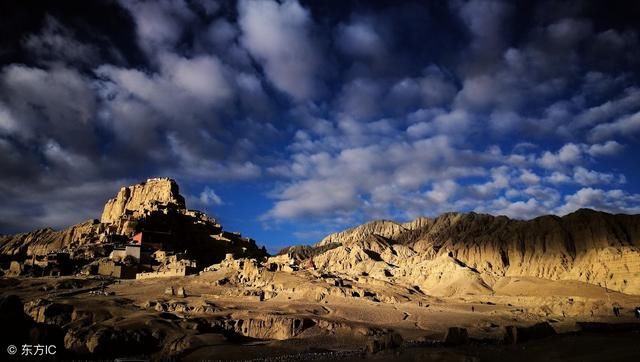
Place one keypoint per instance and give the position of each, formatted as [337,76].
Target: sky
[288,120]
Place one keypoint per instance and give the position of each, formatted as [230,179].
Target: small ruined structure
[172,265]
[58,263]
[117,270]
[120,253]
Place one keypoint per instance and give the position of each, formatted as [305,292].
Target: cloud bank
[329,115]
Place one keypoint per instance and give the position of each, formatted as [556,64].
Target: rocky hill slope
[154,206]
[460,253]
[143,196]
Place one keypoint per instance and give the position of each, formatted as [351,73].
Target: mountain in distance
[458,253]
[378,286]
[454,253]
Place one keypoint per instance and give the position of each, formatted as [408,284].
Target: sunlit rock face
[143,196]
[458,253]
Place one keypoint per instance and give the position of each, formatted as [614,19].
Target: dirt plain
[305,316]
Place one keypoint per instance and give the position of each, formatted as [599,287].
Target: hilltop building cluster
[146,231]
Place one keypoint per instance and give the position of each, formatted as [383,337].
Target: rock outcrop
[155,207]
[43,241]
[466,253]
[265,326]
[144,196]
[384,228]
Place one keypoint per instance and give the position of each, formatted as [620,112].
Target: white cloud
[627,103]
[421,129]
[558,178]
[518,209]
[189,162]
[8,124]
[183,88]
[209,197]
[360,98]
[315,197]
[500,180]
[568,154]
[616,201]
[432,89]
[608,148]
[586,177]
[478,92]
[529,177]
[442,191]
[58,102]
[626,126]
[73,163]
[202,77]
[328,184]
[278,35]
[456,123]
[159,24]
[359,38]
[393,137]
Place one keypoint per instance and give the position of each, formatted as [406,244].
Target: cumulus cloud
[518,209]
[558,178]
[159,24]
[209,197]
[442,191]
[361,98]
[590,177]
[529,177]
[568,154]
[337,117]
[608,148]
[626,103]
[37,103]
[35,205]
[279,36]
[627,126]
[615,201]
[360,38]
[375,173]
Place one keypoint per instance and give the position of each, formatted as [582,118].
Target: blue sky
[291,119]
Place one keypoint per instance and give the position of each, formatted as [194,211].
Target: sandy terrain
[308,317]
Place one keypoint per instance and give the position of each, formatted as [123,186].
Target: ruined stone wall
[178,272]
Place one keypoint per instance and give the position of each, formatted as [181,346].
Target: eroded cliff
[143,196]
[456,252]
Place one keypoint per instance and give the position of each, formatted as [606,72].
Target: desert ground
[304,316]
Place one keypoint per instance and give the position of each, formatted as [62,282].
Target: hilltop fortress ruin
[145,231]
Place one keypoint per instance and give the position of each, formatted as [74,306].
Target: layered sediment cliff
[589,246]
[143,196]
